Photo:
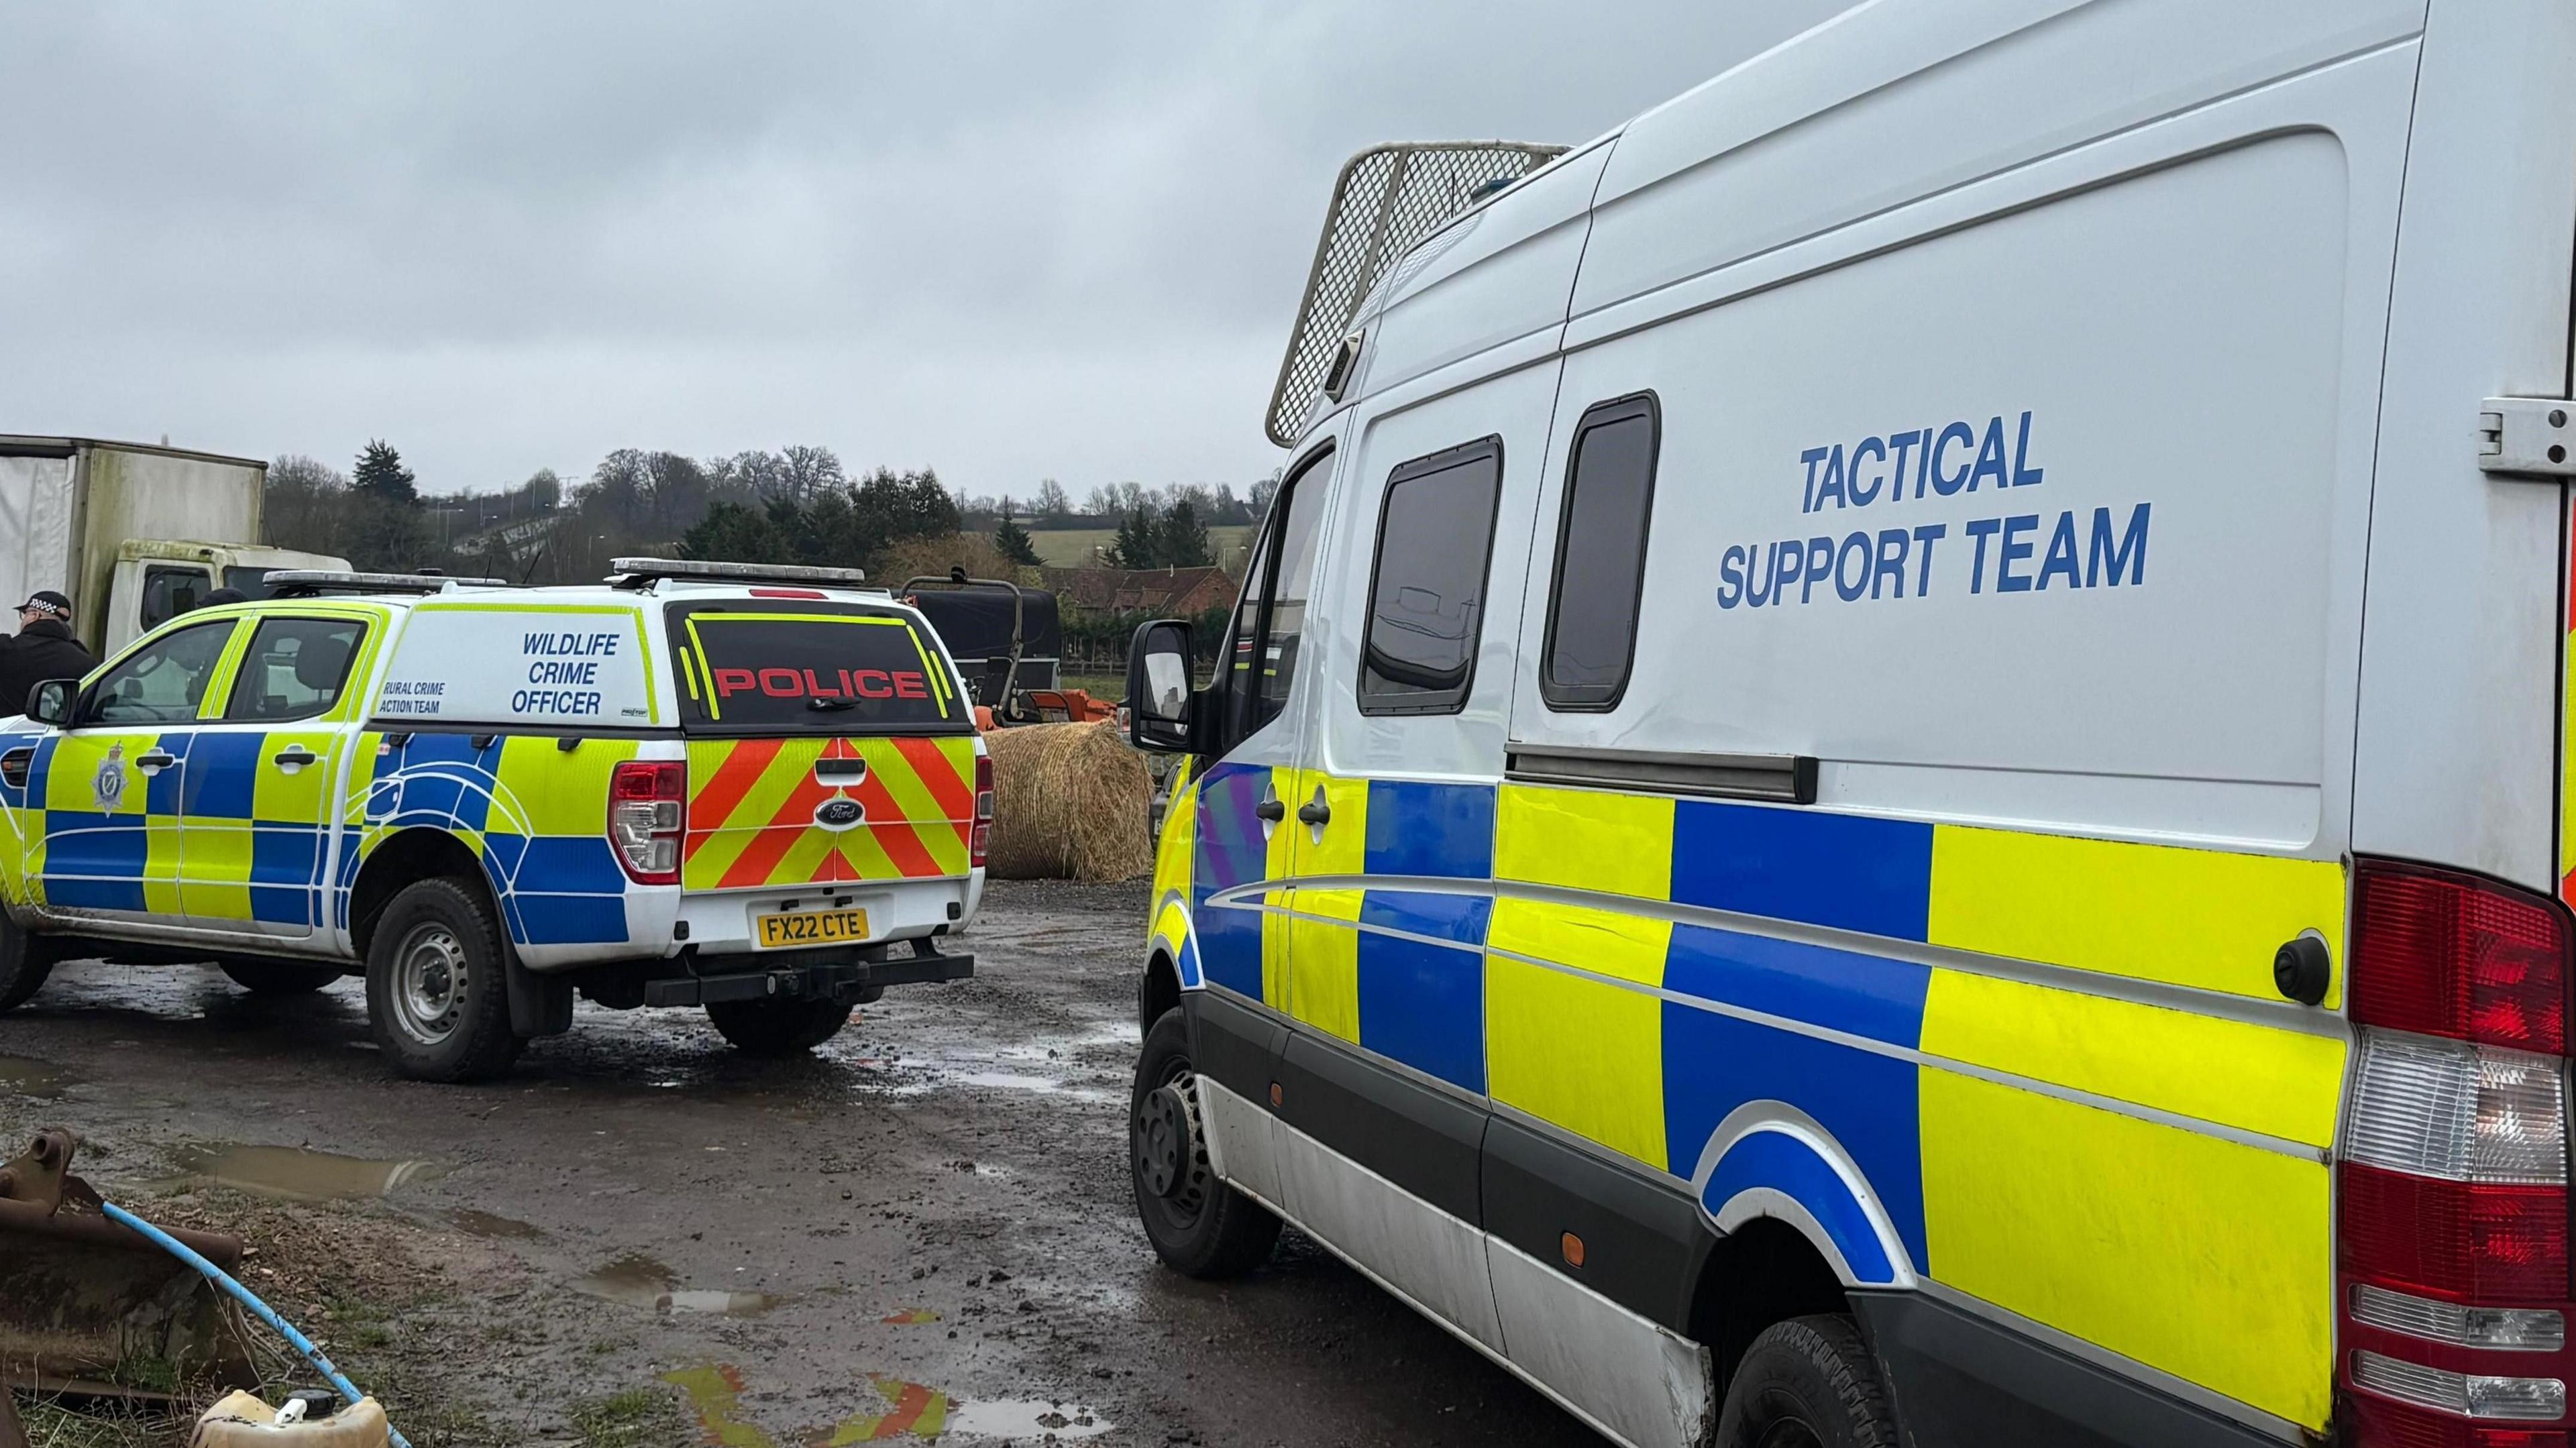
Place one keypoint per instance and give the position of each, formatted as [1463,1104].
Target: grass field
[1080,547]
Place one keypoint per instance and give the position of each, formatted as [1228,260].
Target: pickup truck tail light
[647,812]
[982,840]
[2453,1212]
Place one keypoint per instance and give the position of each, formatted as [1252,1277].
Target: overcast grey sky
[1008,241]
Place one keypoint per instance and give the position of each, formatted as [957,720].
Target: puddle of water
[635,1280]
[1013,1081]
[26,1076]
[912,1410]
[297,1174]
[1024,1418]
[485,1224]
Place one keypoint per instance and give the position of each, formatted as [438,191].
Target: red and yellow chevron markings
[753,802]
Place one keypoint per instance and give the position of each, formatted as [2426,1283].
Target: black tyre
[436,994]
[268,977]
[1199,1226]
[24,964]
[778,1026]
[1809,1382]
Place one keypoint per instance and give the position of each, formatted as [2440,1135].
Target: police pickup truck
[722,785]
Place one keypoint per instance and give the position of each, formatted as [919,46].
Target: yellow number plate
[812,927]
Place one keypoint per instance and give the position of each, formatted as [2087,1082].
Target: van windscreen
[757,665]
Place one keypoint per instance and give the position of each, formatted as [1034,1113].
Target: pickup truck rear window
[777,666]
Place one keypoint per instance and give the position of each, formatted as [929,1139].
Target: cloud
[1009,241]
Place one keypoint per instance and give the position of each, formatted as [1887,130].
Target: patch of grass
[50,1425]
[356,1323]
[636,1418]
[150,1373]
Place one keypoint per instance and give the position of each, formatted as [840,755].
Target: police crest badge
[109,784]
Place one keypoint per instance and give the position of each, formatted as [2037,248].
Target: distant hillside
[1079,547]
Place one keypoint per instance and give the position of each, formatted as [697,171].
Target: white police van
[1894,766]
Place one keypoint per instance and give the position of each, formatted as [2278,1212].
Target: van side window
[1262,647]
[1601,554]
[1435,537]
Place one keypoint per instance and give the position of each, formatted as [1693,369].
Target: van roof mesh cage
[1388,199]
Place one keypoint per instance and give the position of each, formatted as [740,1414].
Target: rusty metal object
[40,1177]
[84,1298]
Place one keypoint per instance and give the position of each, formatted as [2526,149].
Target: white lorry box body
[82,516]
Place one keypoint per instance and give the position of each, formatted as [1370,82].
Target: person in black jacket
[43,649]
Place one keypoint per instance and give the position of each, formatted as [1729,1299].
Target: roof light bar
[305,582]
[645,570]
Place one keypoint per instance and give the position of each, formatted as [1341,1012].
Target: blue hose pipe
[348,1392]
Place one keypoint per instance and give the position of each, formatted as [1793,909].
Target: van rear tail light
[2453,1200]
[982,840]
[647,811]
[2448,954]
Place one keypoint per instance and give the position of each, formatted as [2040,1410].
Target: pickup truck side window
[1435,537]
[1601,554]
[160,683]
[1273,611]
[295,668]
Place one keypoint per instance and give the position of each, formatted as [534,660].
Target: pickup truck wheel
[778,1027]
[23,965]
[1199,1226]
[262,977]
[1809,1382]
[435,991]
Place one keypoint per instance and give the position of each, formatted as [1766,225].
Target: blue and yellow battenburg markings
[534,814]
[2126,1171]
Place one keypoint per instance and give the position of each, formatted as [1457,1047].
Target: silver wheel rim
[429,983]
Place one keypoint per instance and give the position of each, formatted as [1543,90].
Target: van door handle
[296,756]
[154,761]
[1315,812]
[1271,810]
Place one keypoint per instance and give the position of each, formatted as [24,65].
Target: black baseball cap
[48,603]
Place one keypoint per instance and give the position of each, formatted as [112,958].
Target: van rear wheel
[778,1026]
[1809,1382]
[1199,1226]
[265,977]
[436,995]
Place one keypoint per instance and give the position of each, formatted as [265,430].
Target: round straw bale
[1070,803]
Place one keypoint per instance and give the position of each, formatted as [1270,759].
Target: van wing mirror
[1159,696]
[51,701]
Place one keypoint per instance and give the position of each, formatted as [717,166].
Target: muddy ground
[640,1238]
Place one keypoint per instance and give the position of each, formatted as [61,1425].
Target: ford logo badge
[838,813]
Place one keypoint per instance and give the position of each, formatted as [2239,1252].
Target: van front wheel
[778,1026]
[1809,1382]
[435,990]
[1199,1226]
